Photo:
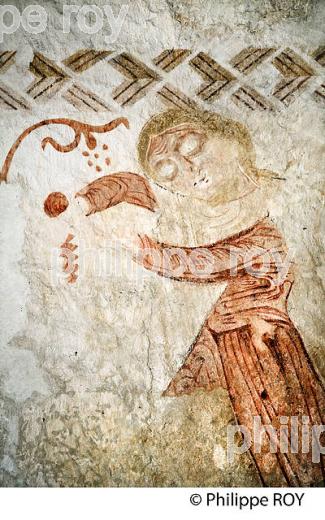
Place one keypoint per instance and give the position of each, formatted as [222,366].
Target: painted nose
[188,162]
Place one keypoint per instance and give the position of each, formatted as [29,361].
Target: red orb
[55,204]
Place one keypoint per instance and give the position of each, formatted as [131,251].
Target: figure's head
[199,154]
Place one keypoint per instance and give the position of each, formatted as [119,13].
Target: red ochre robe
[249,346]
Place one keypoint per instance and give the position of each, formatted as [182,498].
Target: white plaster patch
[21,375]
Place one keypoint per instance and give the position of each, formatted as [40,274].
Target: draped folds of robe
[249,346]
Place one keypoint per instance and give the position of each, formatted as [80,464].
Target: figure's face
[189,161]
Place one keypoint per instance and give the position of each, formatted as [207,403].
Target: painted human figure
[248,344]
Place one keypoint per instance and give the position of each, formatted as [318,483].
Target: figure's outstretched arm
[241,253]
[107,191]
[203,264]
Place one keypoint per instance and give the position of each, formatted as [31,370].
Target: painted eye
[190,144]
[166,170]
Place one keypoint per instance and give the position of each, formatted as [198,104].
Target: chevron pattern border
[51,79]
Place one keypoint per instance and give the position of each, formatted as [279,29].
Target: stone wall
[83,365]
